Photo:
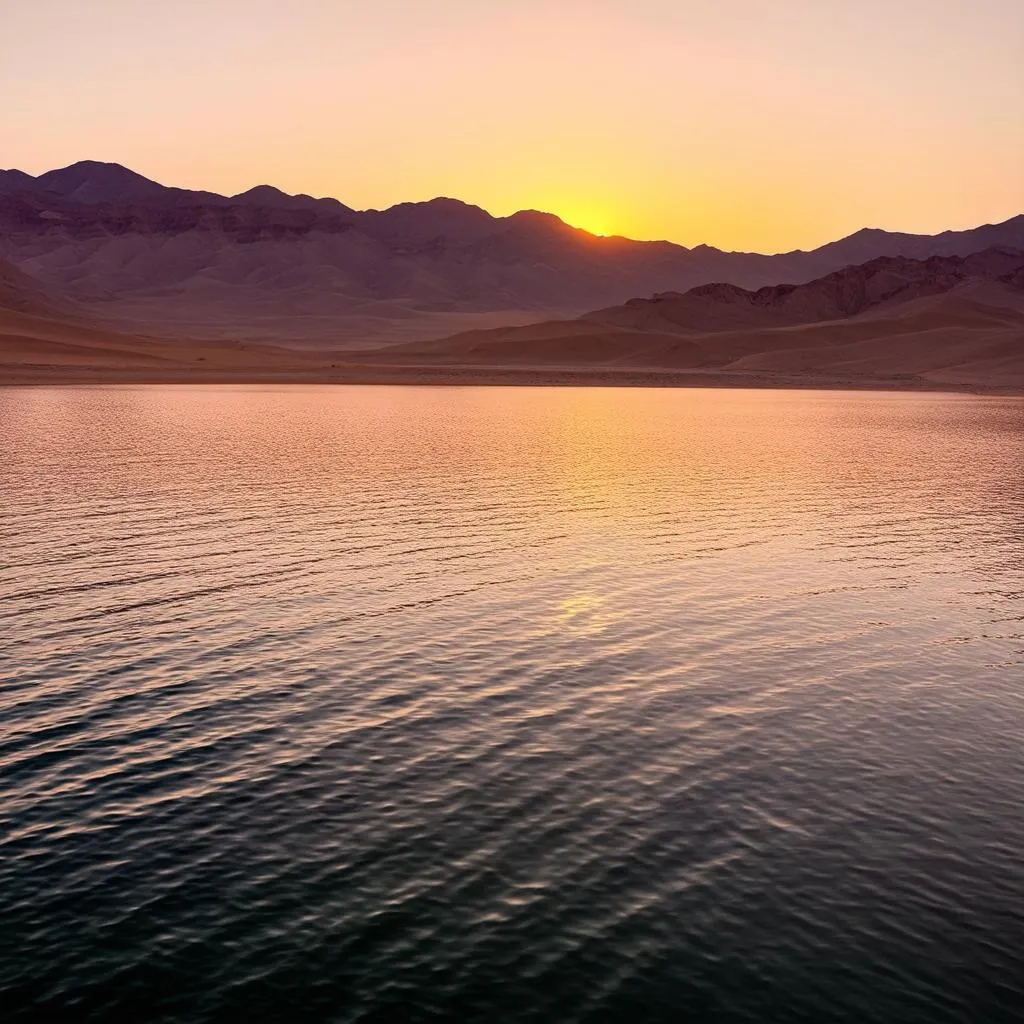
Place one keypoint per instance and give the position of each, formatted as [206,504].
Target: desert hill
[21,293]
[943,320]
[882,282]
[266,267]
[46,338]
[946,321]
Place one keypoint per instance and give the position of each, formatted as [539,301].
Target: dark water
[511,705]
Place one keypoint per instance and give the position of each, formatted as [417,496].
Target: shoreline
[455,375]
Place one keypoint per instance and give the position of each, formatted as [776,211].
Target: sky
[761,125]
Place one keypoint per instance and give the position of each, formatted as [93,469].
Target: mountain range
[943,320]
[107,275]
[121,251]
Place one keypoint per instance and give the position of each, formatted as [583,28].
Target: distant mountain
[268,196]
[883,282]
[94,182]
[265,265]
[16,181]
[945,319]
[869,243]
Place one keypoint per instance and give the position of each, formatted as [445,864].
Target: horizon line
[503,217]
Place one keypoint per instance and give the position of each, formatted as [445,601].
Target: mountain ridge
[102,181]
[945,319]
[266,266]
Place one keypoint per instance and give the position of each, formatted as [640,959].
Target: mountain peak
[14,180]
[94,181]
[439,205]
[270,195]
[539,220]
[438,218]
[262,192]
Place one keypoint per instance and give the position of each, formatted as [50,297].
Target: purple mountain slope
[267,265]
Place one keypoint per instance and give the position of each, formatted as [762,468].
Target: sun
[593,219]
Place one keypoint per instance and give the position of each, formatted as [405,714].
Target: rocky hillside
[941,320]
[883,282]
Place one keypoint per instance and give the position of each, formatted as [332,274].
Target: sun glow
[595,217]
[652,119]
[593,220]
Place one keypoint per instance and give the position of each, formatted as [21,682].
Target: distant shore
[41,375]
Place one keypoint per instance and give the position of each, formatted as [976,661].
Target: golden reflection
[582,615]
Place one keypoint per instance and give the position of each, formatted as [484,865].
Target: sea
[416,704]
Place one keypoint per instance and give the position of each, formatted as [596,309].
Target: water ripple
[373,704]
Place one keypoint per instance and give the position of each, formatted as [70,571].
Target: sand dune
[44,338]
[35,348]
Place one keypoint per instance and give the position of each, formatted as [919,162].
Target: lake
[511,704]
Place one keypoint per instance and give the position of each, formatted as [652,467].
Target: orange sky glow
[752,125]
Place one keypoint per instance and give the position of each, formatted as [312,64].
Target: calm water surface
[399,704]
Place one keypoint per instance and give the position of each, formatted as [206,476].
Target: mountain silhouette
[271,267]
